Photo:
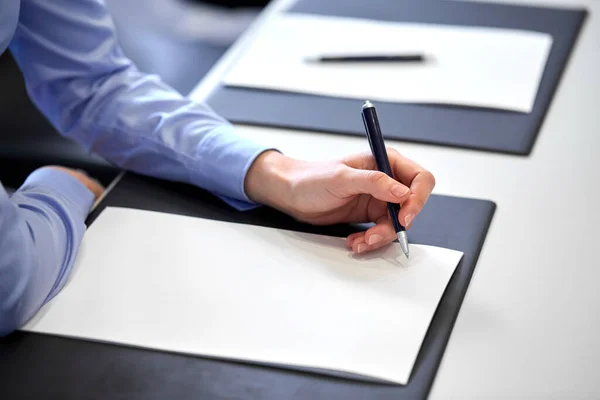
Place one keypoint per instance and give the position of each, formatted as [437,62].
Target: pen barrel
[394,209]
[379,151]
[375,138]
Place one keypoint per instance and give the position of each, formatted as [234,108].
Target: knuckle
[375,177]
[429,178]
[340,171]
[392,151]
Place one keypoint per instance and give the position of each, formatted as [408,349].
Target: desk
[528,327]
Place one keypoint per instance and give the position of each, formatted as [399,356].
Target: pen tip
[404,243]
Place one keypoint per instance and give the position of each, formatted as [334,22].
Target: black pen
[368,58]
[377,145]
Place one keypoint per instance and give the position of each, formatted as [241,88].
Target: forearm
[77,75]
[138,123]
[42,225]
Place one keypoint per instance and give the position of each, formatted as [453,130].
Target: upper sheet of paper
[251,293]
[468,66]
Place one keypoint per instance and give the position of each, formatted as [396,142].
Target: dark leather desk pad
[40,367]
[463,127]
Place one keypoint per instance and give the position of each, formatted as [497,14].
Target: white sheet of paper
[243,292]
[471,66]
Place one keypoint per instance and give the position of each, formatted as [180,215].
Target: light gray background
[529,327]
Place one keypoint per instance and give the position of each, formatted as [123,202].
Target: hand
[350,190]
[96,188]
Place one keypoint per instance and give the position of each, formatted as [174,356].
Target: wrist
[267,181]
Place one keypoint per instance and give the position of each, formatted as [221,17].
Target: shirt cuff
[62,183]
[227,165]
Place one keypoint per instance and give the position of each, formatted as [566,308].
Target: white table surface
[530,324]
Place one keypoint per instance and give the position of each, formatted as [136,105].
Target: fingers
[421,188]
[381,234]
[375,183]
[91,184]
[95,187]
[406,171]
[421,184]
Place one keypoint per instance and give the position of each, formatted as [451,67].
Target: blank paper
[243,292]
[469,66]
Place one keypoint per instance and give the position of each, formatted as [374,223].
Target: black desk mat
[464,127]
[42,366]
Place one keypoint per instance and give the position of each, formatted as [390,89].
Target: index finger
[421,188]
[404,169]
[420,181]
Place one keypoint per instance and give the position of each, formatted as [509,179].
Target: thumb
[377,184]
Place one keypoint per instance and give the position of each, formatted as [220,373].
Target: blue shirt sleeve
[42,225]
[79,78]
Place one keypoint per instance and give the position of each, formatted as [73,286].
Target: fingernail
[400,190]
[408,219]
[373,239]
[361,247]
